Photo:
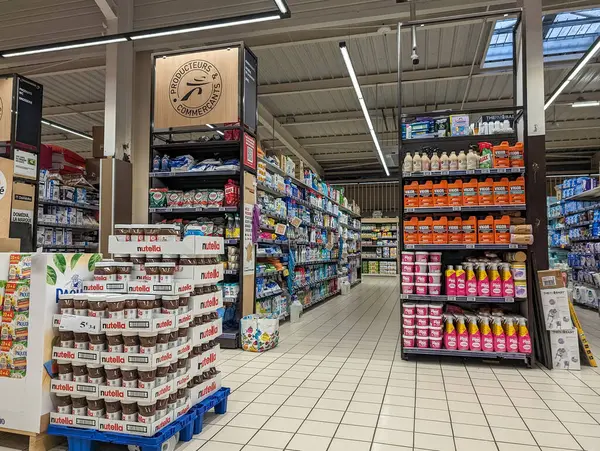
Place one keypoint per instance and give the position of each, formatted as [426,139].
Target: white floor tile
[303,442]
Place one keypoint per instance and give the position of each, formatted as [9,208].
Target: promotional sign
[250,91]
[29,113]
[249,151]
[6,89]
[26,164]
[6,184]
[23,203]
[248,251]
[197,88]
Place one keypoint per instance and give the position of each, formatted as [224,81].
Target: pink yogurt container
[421,278]
[408,320]
[422,342]
[435,257]
[408,342]
[421,288]
[407,267]
[422,320]
[422,309]
[436,321]
[435,332]
[435,289]
[421,268]
[408,308]
[408,277]
[435,343]
[422,331]
[435,267]
[408,288]
[434,277]
[435,309]
[410,331]
[408,257]
[421,257]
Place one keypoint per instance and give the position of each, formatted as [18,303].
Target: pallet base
[35,441]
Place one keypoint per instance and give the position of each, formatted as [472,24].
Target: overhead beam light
[66,129]
[361,101]
[573,73]
[585,103]
[66,46]
[283,7]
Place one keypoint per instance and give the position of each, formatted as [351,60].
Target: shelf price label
[445,172]
[456,208]
[470,298]
[513,246]
[485,170]
[452,298]
[470,171]
[470,246]
[85,324]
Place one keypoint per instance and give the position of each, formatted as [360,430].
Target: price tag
[470,246]
[280,229]
[426,172]
[513,246]
[470,298]
[445,172]
[470,171]
[456,208]
[502,170]
[296,222]
[452,298]
[509,299]
[410,210]
[86,324]
[410,246]
[485,171]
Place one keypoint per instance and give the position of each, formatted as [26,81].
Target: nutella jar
[182,335]
[65,370]
[138,260]
[80,304]
[214,288]
[105,271]
[97,342]
[172,373]
[153,258]
[80,372]
[151,233]
[82,341]
[182,365]
[96,374]
[130,377]
[113,376]
[173,338]
[131,343]
[157,310]
[168,232]
[130,411]
[188,260]
[67,339]
[170,258]
[145,306]
[79,405]
[197,379]
[115,306]
[95,407]
[121,258]
[123,232]
[146,411]
[161,375]
[172,402]
[146,378]
[162,340]
[115,342]
[152,271]
[170,305]
[131,307]
[184,301]
[64,404]
[167,272]
[65,304]
[113,410]
[162,405]
[124,270]
[180,397]
[97,306]
[148,342]
[196,351]
[137,232]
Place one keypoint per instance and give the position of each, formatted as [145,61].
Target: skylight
[566,37]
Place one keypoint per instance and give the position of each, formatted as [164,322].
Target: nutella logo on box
[139,289]
[163,423]
[185,318]
[212,274]
[184,410]
[163,323]
[114,427]
[208,389]
[185,288]
[111,393]
[208,360]
[94,287]
[63,355]
[163,391]
[184,349]
[211,246]
[149,248]
[114,325]
[165,358]
[61,420]
[184,380]
[212,302]
[212,330]
[62,387]
[113,359]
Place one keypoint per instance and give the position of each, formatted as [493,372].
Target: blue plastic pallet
[186,425]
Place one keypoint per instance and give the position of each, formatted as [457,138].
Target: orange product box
[455,233]
[440,230]
[517,155]
[440,194]
[500,153]
[411,195]
[411,231]
[485,191]
[502,230]
[501,192]
[470,193]
[516,191]
[469,230]
[426,230]
[485,230]
[426,194]
[455,193]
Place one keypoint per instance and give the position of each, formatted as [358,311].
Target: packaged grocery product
[517,191]
[474,333]
[450,281]
[425,230]
[411,195]
[422,342]
[421,257]
[426,194]
[422,309]
[470,193]
[523,336]
[440,194]
[462,161]
[508,284]
[501,196]
[462,334]
[421,289]
[512,340]
[407,164]
[483,281]
[435,342]
[521,239]
[517,155]
[174,198]
[461,281]
[440,230]
[485,192]
[469,230]
[485,230]
[485,152]
[420,278]
[501,158]
[408,341]
[495,281]
[434,267]
[498,334]
[502,230]
[487,339]
[408,257]
[408,308]
[408,288]
[435,257]
[455,235]
[444,162]
[450,341]
[422,331]
[471,280]
[524,229]
[434,289]
[416,162]
[157,197]
[453,161]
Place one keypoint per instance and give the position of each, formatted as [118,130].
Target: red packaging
[435,332]
[232,135]
[408,320]
[408,342]
[232,193]
[410,331]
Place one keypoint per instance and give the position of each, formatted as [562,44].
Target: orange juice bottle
[440,231]
[501,157]
[440,194]
[426,194]
[501,192]
[411,231]
[470,193]
[517,155]
[411,195]
[485,230]
[485,190]
[426,231]
[469,230]
[516,191]
[455,233]
[455,193]
[502,230]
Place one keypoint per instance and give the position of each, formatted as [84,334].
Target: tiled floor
[336,383]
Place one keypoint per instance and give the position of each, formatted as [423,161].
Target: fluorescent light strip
[282,6]
[65,47]
[204,27]
[361,101]
[68,130]
[585,103]
[213,127]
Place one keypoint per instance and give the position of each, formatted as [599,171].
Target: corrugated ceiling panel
[73,88]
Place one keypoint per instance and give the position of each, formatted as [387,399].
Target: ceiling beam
[107,8]
[574,144]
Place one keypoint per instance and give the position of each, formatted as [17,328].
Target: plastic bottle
[450,281]
[487,339]
[444,162]
[462,334]
[495,281]
[485,160]
[435,162]
[156,163]
[417,162]
[449,333]
[471,280]
[512,340]
[472,160]
[453,161]
[498,334]
[474,333]
[483,282]
[523,336]
[508,284]
[425,163]
[462,161]
[461,281]
[407,166]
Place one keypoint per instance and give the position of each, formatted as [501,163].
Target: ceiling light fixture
[573,73]
[580,103]
[66,129]
[213,127]
[283,7]
[66,46]
[361,101]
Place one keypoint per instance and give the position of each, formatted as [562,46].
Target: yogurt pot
[435,257]
[422,331]
[435,267]
[408,320]
[115,342]
[129,377]
[65,370]
[80,304]
[408,277]
[129,411]
[422,309]
[131,306]
[131,343]
[434,289]
[422,342]
[146,411]
[422,320]
[436,309]
[96,407]
[162,405]
[115,306]
[434,278]
[113,410]
[435,342]
[420,268]
[80,372]
[96,374]
[436,321]
[421,278]
[408,257]
[79,405]
[408,342]
[113,377]
[421,288]
[147,378]
[435,332]
[408,308]
[147,342]
[407,267]
[421,257]
[64,404]
[408,288]
[410,331]
[66,304]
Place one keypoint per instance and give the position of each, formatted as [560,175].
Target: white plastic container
[435,257]
[422,331]
[422,320]
[435,309]
[421,268]
[462,161]
[408,320]
[408,257]
[444,162]
[420,278]
[421,257]
[408,288]
[407,267]
[436,321]
[422,342]
[407,165]
[422,309]
[408,277]
[421,289]
[435,267]
[434,278]
[435,343]
[410,331]
[417,162]
[408,308]
[435,162]
[434,289]
[435,332]
[408,342]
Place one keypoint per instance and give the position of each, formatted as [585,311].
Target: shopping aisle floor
[336,382]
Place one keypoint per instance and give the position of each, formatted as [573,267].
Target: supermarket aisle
[337,383]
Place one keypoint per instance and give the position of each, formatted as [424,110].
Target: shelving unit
[379,243]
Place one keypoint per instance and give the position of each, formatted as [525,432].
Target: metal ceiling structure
[308,107]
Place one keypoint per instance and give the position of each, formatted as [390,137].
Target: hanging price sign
[280,229]
[296,222]
[87,324]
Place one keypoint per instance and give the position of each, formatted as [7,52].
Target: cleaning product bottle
[462,161]
[440,194]
[426,230]
[501,196]
[455,235]
[444,162]
[502,230]
[487,339]
[523,336]
[483,282]
[435,162]
[407,165]
[470,193]
[485,192]
[501,158]
[455,193]
[512,340]
[453,161]
[462,334]
[426,194]
[474,333]
[450,281]
[461,281]
[495,281]
[516,154]
[498,334]
[417,162]
[516,191]
[449,332]
[411,231]
[485,160]
[425,162]
[440,230]
[472,160]
[411,195]
[471,280]
[508,283]
[485,230]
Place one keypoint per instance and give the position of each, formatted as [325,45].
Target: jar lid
[123,264]
[67,296]
[163,264]
[170,297]
[80,296]
[145,297]
[116,297]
